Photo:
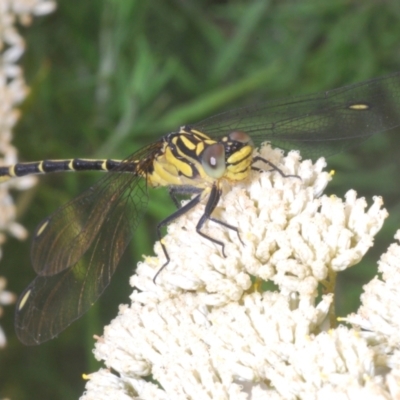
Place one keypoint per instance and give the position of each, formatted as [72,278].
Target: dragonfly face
[76,249]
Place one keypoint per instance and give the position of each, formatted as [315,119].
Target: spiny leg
[173,191]
[181,211]
[273,166]
[226,225]
[182,190]
[211,204]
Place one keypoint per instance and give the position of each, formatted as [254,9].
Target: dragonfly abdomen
[46,166]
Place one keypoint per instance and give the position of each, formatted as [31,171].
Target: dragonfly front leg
[273,167]
[211,204]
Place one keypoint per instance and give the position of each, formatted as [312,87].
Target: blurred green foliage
[109,76]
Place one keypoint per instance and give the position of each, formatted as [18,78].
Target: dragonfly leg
[175,200]
[212,203]
[210,207]
[273,167]
[174,191]
[234,228]
[181,211]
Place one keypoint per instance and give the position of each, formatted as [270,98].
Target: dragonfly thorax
[191,158]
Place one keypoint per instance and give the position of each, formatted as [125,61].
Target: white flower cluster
[209,329]
[13,91]
[6,298]
[23,11]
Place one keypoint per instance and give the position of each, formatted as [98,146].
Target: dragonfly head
[230,157]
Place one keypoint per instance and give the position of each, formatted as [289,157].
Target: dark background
[109,76]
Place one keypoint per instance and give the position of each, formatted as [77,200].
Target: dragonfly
[76,250]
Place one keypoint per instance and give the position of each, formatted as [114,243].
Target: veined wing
[68,285]
[320,124]
[65,236]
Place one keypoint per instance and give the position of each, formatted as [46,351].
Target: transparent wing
[320,124]
[61,239]
[96,227]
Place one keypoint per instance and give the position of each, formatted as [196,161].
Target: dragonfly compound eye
[213,160]
[241,137]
